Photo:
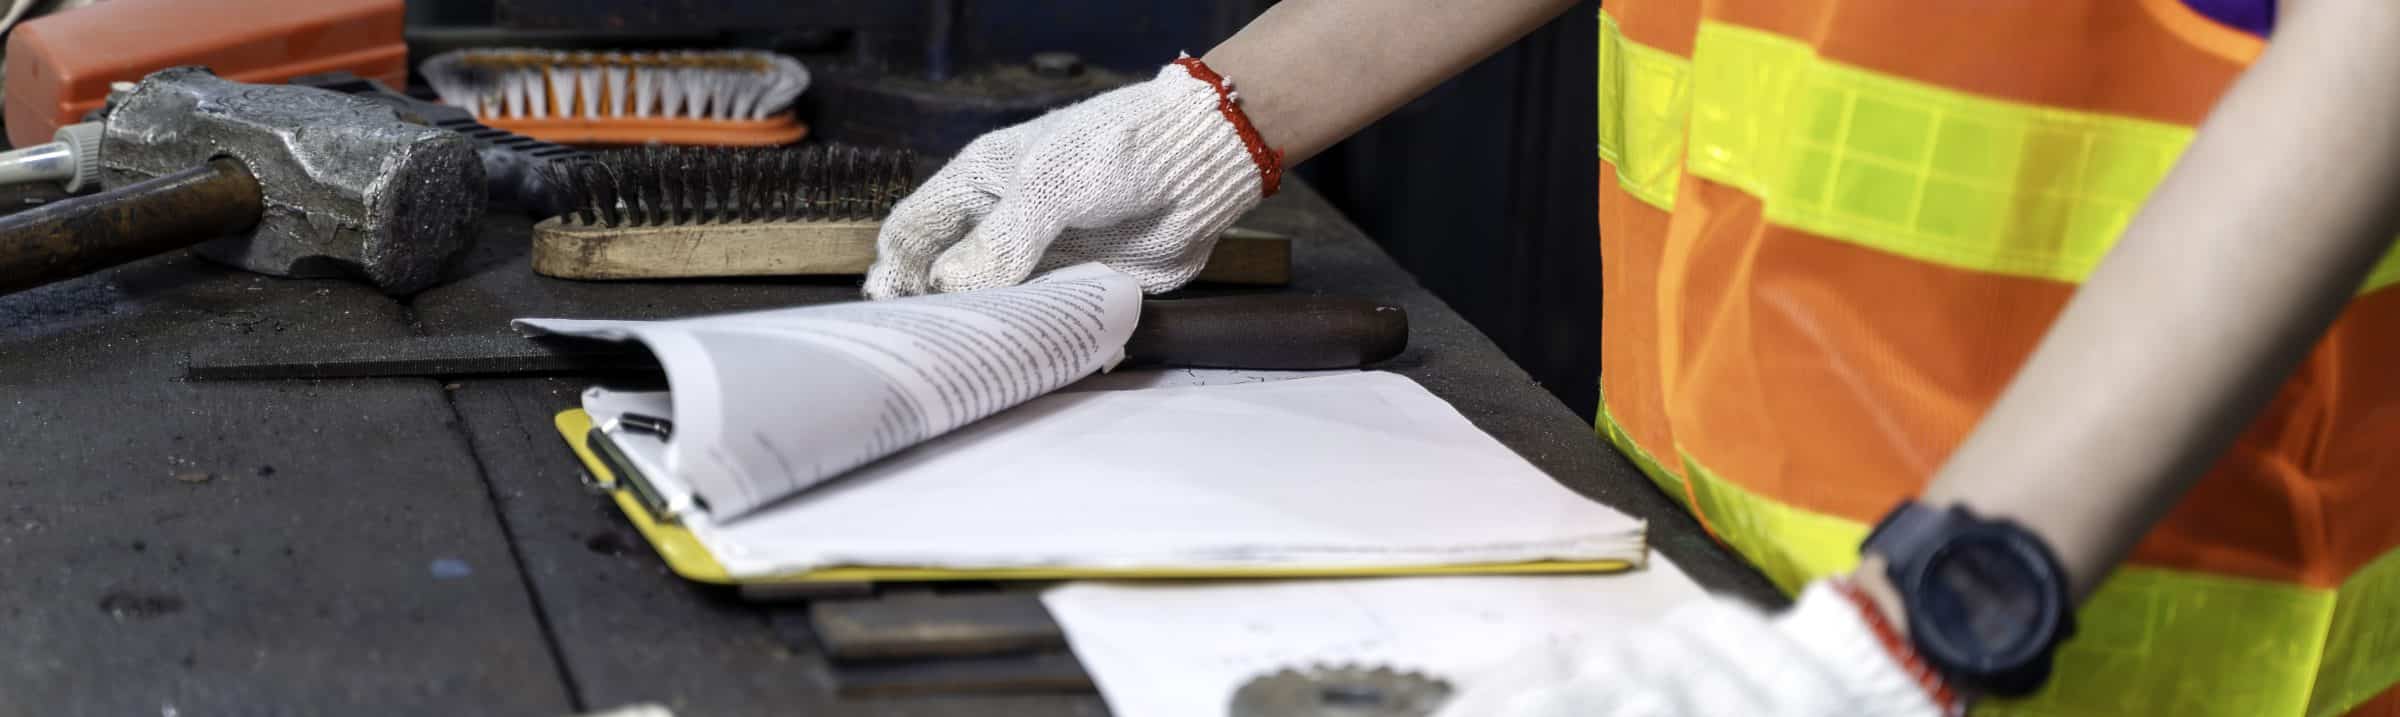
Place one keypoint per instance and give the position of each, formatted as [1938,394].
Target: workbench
[418,546]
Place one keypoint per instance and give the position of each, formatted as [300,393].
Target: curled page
[767,403]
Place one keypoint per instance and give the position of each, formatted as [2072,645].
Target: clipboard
[689,558]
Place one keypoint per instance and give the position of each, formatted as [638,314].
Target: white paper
[768,403]
[1354,469]
[646,452]
[1124,380]
[1180,649]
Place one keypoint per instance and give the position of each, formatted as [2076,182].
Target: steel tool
[287,181]
[1340,691]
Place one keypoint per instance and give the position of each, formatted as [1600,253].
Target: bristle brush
[685,212]
[701,97]
[656,212]
[661,186]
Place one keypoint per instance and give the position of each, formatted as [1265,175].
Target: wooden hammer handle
[74,237]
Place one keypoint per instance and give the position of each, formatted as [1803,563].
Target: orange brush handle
[778,130]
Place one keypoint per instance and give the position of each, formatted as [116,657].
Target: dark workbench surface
[405,546]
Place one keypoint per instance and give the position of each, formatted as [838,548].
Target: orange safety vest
[1837,227]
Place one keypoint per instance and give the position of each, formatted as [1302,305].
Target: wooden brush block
[1242,256]
[1054,672]
[933,625]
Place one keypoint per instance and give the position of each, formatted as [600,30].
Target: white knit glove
[1720,657]
[1141,178]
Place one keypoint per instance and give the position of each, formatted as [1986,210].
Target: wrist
[1880,671]
[1880,610]
[1268,160]
[1873,580]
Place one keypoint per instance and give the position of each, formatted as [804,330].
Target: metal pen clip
[629,477]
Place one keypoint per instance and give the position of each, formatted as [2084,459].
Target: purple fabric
[2254,16]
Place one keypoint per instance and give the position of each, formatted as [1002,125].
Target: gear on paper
[1340,691]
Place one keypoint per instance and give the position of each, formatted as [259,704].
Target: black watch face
[1985,600]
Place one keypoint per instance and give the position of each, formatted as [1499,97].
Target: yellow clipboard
[687,557]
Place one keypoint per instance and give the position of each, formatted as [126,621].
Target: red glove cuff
[1269,160]
[1899,648]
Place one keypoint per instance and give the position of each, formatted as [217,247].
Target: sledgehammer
[277,179]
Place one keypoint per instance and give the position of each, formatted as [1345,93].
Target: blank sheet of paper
[1181,649]
[1355,469]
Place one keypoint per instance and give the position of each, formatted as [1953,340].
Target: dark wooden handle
[70,238]
[1267,332]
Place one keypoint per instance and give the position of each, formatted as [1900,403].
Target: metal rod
[52,162]
[70,238]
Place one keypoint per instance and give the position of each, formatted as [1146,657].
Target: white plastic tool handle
[72,157]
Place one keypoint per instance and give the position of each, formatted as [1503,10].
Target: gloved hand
[1141,178]
[1821,659]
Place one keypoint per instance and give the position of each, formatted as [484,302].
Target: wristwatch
[1987,602]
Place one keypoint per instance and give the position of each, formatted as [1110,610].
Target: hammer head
[349,187]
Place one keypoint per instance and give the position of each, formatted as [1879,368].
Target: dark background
[1484,188]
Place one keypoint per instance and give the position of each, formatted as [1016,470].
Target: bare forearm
[2217,290]
[1311,72]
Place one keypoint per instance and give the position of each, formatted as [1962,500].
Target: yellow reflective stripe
[1666,480]
[1920,170]
[1789,545]
[2151,641]
[1792,546]
[1645,96]
[1904,167]
[1916,169]
[2155,641]
[2364,659]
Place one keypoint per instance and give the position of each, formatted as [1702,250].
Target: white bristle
[505,86]
[696,90]
[562,90]
[587,81]
[616,88]
[537,102]
[730,86]
[645,92]
[701,84]
[745,99]
[790,79]
[694,81]
[747,108]
[442,72]
[671,86]
[711,99]
[516,94]
[741,97]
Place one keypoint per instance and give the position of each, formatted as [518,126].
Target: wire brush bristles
[537,84]
[657,185]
